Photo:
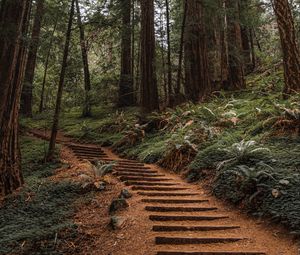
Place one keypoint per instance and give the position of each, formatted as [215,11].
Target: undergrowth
[35,220]
[245,142]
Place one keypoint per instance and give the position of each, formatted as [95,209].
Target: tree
[169,64]
[13,25]
[41,106]
[179,71]
[26,99]
[197,81]
[87,81]
[54,131]
[149,92]
[126,95]
[290,50]
[235,50]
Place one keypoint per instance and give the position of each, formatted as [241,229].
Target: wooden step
[85,148]
[195,240]
[84,155]
[156,188]
[119,170]
[162,228]
[134,178]
[118,166]
[185,218]
[126,174]
[130,163]
[141,183]
[174,201]
[164,194]
[80,150]
[210,253]
[179,209]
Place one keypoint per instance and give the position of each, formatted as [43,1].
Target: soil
[137,238]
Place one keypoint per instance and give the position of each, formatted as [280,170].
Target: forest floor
[241,147]
[89,217]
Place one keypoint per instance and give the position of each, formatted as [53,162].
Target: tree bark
[235,52]
[290,50]
[41,107]
[13,25]
[87,80]
[126,94]
[197,81]
[253,56]
[149,93]
[54,131]
[26,98]
[169,64]
[179,71]
[246,50]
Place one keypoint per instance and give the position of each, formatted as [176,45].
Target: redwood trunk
[235,50]
[26,99]
[197,82]
[169,64]
[179,71]
[52,143]
[290,50]
[149,93]
[126,95]
[87,80]
[13,24]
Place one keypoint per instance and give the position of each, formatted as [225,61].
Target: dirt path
[168,216]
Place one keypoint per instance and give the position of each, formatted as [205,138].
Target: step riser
[208,253]
[192,228]
[173,201]
[178,209]
[118,170]
[87,150]
[147,194]
[89,154]
[157,188]
[139,175]
[131,166]
[179,241]
[136,183]
[128,178]
[185,218]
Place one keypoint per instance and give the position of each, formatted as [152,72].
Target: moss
[42,210]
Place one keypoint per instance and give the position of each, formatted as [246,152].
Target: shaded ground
[93,235]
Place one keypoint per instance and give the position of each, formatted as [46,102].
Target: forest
[150,127]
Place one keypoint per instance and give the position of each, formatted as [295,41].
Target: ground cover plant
[35,220]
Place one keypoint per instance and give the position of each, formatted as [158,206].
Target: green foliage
[242,152]
[31,220]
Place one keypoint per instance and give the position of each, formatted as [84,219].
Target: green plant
[240,152]
[101,168]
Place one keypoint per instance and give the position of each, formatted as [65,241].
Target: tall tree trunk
[41,107]
[169,64]
[149,93]
[133,49]
[246,50]
[26,98]
[179,71]
[290,50]
[235,59]
[87,80]
[126,96]
[52,142]
[253,56]
[197,81]
[14,17]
